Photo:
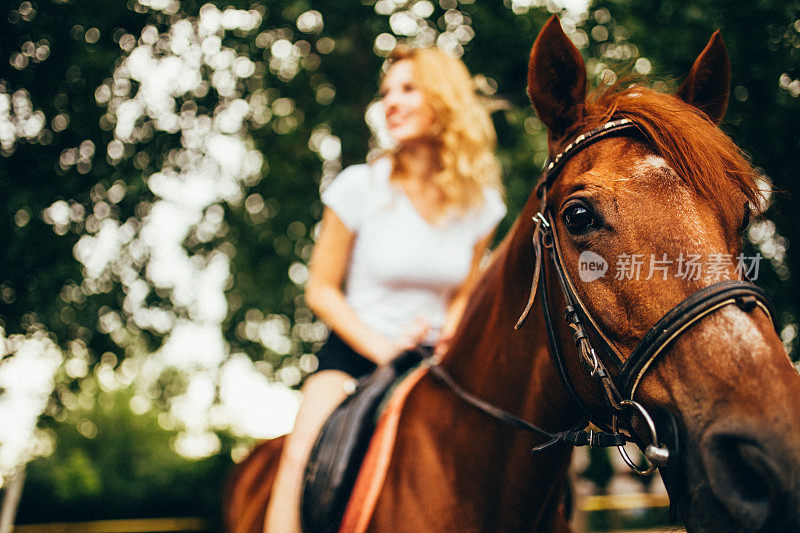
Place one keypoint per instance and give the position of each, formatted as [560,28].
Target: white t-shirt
[401,266]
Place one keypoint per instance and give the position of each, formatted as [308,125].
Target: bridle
[595,348]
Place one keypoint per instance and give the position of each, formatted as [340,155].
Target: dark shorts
[335,354]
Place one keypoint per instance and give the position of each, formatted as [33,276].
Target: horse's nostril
[746,481]
[748,476]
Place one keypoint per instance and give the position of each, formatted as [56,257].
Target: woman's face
[408,114]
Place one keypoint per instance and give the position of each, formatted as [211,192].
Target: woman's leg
[322,392]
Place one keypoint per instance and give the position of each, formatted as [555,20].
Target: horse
[688,366]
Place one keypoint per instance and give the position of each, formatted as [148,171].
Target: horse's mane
[699,152]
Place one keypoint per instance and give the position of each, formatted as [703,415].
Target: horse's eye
[579,218]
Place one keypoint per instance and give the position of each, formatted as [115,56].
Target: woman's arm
[461,296]
[325,298]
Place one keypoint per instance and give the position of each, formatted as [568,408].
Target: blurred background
[160,166]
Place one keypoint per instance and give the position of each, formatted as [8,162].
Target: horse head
[646,220]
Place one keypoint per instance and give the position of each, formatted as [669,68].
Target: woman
[400,242]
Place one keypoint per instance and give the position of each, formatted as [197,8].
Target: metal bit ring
[655,449]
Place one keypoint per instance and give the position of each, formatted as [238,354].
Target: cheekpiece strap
[542,225]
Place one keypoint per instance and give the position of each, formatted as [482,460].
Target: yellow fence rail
[617,502]
[137,525]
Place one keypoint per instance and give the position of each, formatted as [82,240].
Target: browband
[554,167]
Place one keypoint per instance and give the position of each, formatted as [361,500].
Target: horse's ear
[709,82]
[556,79]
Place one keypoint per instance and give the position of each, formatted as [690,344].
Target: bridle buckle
[595,363]
[542,220]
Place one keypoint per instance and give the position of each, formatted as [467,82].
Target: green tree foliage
[70,63]
[111,463]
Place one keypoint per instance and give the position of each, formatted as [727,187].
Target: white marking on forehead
[651,166]
[652,163]
[678,199]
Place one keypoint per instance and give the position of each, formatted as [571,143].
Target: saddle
[342,443]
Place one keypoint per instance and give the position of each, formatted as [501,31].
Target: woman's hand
[443,344]
[413,335]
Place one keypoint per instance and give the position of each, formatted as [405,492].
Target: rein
[619,390]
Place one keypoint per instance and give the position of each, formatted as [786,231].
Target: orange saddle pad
[372,475]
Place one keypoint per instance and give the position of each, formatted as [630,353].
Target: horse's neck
[509,368]
[489,463]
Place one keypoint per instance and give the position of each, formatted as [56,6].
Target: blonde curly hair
[463,128]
